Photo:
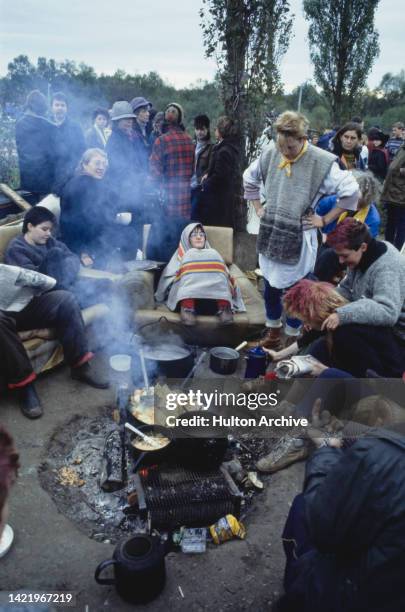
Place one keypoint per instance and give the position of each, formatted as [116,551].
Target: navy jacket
[36,146]
[355,507]
[70,146]
[86,217]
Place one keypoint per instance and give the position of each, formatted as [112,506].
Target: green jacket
[394,186]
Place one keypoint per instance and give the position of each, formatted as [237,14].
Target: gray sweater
[376,291]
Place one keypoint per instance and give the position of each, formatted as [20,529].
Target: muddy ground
[51,552]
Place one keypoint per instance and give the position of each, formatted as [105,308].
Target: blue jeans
[274,307]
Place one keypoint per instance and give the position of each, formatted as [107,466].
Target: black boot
[85,375]
[29,402]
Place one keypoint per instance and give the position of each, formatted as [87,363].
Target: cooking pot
[139,568]
[171,360]
[154,455]
[223,360]
[199,447]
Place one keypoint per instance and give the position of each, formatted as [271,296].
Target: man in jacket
[141,109]
[393,196]
[95,136]
[203,149]
[35,138]
[396,141]
[345,534]
[70,143]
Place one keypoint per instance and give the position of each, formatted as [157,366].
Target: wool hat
[178,109]
[139,102]
[36,102]
[121,110]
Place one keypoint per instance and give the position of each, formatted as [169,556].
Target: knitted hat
[121,110]
[36,102]
[139,102]
[174,113]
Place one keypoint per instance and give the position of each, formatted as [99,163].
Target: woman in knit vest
[296,175]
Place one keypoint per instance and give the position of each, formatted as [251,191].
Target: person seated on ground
[327,267]
[346,144]
[363,320]
[87,220]
[96,136]
[197,273]
[344,537]
[26,303]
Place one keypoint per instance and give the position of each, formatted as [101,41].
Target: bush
[8,156]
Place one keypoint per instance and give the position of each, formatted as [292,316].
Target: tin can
[227,528]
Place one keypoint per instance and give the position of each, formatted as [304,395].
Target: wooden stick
[15,197]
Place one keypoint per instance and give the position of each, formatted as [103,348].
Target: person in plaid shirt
[171,165]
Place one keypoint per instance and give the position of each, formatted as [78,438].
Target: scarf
[349,160]
[286,163]
[101,134]
[360,215]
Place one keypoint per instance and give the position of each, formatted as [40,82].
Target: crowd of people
[333,288]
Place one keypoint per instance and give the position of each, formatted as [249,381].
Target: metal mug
[256,363]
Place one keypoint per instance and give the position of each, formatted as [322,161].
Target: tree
[343,47]
[248,38]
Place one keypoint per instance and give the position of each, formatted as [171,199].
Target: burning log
[112,468]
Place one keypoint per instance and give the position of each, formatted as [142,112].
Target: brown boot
[225,316]
[187,316]
[272,339]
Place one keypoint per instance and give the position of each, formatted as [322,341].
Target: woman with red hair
[337,339]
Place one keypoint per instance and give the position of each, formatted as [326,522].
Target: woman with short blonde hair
[296,175]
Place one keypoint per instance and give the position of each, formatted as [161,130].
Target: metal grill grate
[174,496]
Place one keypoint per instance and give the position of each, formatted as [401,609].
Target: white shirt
[280,275]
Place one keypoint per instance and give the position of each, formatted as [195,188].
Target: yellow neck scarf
[360,215]
[286,163]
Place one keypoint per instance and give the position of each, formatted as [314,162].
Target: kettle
[139,568]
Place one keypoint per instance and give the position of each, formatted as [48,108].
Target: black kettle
[139,568]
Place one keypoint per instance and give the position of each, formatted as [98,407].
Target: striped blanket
[198,274]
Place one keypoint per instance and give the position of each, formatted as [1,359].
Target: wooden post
[15,197]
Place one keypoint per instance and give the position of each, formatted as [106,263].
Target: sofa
[207,332]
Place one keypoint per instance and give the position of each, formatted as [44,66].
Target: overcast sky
[141,35]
